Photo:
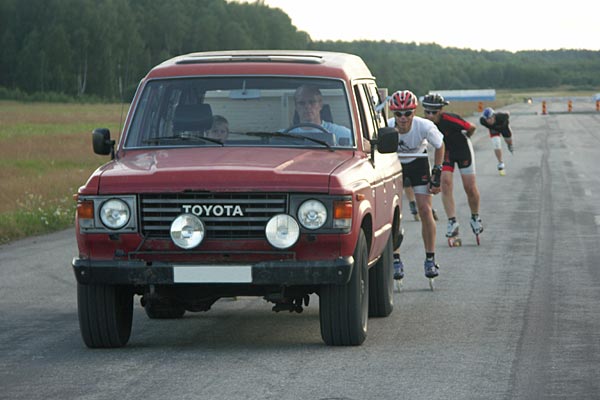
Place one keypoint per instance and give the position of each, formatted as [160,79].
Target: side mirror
[102,143]
[387,140]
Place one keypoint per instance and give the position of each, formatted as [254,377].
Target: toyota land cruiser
[283,206]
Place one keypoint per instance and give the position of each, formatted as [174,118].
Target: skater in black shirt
[458,152]
[498,124]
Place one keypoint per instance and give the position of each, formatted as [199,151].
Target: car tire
[381,283]
[343,309]
[105,314]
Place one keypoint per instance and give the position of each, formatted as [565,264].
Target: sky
[511,25]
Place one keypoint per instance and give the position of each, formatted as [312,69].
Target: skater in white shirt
[414,134]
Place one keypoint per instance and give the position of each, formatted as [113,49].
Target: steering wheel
[306,125]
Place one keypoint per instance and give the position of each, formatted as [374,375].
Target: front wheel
[381,284]
[105,314]
[343,309]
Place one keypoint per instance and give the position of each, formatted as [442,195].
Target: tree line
[423,67]
[102,48]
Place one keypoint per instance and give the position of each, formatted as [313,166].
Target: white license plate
[212,274]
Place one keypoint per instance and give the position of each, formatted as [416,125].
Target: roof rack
[280,58]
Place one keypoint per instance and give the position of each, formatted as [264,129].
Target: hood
[231,169]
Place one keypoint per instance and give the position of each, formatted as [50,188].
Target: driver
[309,102]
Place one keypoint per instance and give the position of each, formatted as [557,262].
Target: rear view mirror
[244,94]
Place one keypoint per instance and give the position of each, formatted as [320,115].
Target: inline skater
[414,133]
[498,124]
[458,152]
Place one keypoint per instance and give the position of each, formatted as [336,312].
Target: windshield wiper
[181,138]
[291,136]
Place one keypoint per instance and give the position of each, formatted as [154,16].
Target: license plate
[212,274]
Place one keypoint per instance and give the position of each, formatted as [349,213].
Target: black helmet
[434,101]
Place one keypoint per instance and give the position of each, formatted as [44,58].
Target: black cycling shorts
[417,172]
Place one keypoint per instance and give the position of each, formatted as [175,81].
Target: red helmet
[403,100]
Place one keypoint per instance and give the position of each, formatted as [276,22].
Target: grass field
[45,155]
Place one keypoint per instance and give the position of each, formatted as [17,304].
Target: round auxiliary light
[312,214]
[115,213]
[187,231]
[282,231]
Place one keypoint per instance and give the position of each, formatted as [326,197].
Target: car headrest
[192,117]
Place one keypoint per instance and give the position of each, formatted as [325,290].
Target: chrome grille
[159,210]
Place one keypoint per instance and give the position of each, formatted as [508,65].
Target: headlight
[187,231]
[312,214]
[282,231]
[115,213]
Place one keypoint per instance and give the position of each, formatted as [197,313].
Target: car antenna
[122,93]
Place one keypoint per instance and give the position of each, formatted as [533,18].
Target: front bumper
[286,273]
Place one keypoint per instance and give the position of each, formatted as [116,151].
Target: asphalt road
[515,318]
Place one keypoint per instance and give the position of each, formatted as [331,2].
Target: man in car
[309,103]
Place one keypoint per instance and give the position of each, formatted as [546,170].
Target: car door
[384,174]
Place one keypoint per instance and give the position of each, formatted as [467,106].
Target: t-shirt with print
[422,131]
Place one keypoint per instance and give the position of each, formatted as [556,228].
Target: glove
[436,176]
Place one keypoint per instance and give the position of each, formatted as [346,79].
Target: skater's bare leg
[509,143]
[497,146]
[410,195]
[428,228]
[472,192]
[498,153]
[448,194]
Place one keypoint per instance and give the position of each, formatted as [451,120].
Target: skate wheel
[502,172]
[477,238]
[398,285]
[454,242]
[431,284]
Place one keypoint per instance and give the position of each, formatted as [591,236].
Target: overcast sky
[479,25]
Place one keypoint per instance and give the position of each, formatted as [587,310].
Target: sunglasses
[406,114]
[431,112]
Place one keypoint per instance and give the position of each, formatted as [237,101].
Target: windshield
[242,111]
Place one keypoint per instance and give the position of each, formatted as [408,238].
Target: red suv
[243,173]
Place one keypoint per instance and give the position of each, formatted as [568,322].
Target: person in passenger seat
[219,129]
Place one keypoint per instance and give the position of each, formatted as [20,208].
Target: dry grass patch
[45,155]
[12,112]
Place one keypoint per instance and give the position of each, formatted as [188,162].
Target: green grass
[45,155]
[39,129]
